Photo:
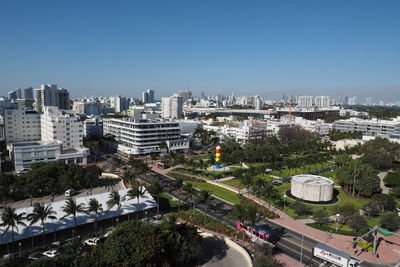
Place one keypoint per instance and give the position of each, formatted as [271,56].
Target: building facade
[172,107]
[57,126]
[374,127]
[140,137]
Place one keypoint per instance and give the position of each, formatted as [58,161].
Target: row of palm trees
[10,219]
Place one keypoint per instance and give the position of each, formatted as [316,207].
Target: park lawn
[233,182]
[217,191]
[255,165]
[306,168]
[328,174]
[200,157]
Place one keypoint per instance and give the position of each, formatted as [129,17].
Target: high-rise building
[352,101]
[59,126]
[186,95]
[305,101]
[18,92]
[258,103]
[322,101]
[28,93]
[21,125]
[12,95]
[172,106]
[120,103]
[148,96]
[49,96]
[63,99]
[368,101]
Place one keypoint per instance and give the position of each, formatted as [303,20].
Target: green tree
[94,208]
[390,221]
[11,219]
[41,213]
[371,208]
[72,208]
[320,216]
[346,210]
[358,223]
[178,185]
[386,202]
[136,192]
[156,189]
[114,199]
[392,179]
[300,208]
[205,198]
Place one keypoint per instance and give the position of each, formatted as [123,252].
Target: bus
[261,231]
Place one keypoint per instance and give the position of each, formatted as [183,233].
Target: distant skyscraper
[322,101]
[186,95]
[368,101]
[305,101]
[148,96]
[49,95]
[352,101]
[202,95]
[120,103]
[12,95]
[172,107]
[28,93]
[258,103]
[18,92]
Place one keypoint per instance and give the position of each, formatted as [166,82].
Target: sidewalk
[388,250]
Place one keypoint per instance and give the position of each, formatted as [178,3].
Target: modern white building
[247,131]
[373,127]
[312,188]
[172,107]
[322,101]
[88,108]
[186,95]
[21,125]
[140,137]
[305,101]
[24,154]
[119,103]
[148,96]
[258,103]
[59,126]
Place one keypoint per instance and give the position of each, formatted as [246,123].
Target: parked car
[51,253]
[70,192]
[92,241]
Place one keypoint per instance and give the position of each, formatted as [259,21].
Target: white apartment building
[88,108]
[373,127]
[21,125]
[322,101]
[26,153]
[49,95]
[148,96]
[172,107]
[245,132]
[258,103]
[305,101]
[141,137]
[119,103]
[317,126]
[58,126]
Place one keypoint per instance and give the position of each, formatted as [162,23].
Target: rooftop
[128,206]
[312,179]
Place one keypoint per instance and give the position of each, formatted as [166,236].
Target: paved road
[288,241]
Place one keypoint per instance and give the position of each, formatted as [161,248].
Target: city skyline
[312,47]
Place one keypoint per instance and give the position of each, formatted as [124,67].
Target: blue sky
[260,47]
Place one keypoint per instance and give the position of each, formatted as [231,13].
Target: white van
[70,192]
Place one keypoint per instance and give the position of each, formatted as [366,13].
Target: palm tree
[177,185]
[156,189]
[72,208]
[10,219]
[94,209]
[114,199]
[41,213]
[136,192]
[205,197]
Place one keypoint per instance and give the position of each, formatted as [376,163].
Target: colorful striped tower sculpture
[218,157]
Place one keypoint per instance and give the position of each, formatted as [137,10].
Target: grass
[200,157]
[206,174]
[306,168]
[328,174]
[331,227]
[233,182]
[217,191]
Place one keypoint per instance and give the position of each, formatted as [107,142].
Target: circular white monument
[312,188]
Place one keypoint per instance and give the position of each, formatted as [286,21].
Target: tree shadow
[215,249]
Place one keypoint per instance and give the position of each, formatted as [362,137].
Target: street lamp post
[19,245]
[284,202]
[337,222]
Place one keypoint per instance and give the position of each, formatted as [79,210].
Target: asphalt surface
[288,241]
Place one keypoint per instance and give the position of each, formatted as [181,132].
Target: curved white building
[312,188]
